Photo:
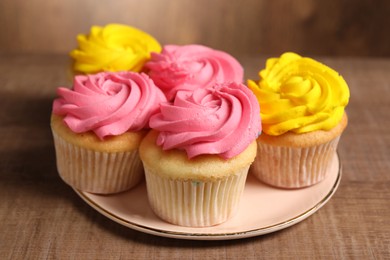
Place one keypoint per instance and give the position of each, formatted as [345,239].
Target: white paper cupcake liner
[195,203]
[97,172]
[293,167]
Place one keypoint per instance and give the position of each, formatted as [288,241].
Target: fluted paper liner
[195,203]
[293,167]
[97,172]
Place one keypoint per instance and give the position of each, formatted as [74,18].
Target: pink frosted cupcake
[190,67]
[197,157]
[97,128]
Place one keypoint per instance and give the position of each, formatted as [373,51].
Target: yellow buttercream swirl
[299,94]
[115,47]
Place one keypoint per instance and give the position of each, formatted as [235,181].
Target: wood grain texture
[42,218]
[311,27]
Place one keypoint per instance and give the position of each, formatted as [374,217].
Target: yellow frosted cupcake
[98,126]
[114,47]
[302,105]
[197,157]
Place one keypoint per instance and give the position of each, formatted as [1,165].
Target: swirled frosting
[190,67]
[299,94]
[108,103]
[223,119]
[114,47]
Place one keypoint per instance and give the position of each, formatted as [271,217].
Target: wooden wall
[311,27]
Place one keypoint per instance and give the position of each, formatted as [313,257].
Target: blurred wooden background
[310,27]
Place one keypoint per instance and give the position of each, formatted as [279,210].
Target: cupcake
[114,47]
[98,126]
[197,156]
[302,110]
[189,67]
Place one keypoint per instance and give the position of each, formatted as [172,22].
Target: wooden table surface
[43,218]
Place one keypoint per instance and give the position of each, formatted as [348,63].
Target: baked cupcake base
[199,192]
[296,160]
[88,164]
[195,203]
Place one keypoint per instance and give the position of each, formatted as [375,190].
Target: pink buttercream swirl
[108,103]
[223,119]
[190,67]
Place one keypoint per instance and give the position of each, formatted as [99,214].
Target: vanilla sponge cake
[88,164]
[203,191]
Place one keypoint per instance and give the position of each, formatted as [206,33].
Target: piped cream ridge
[300,95]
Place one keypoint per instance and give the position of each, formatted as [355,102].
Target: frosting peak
[223,119]
[299,94]
[115,47]
[190,67]
[108,103]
